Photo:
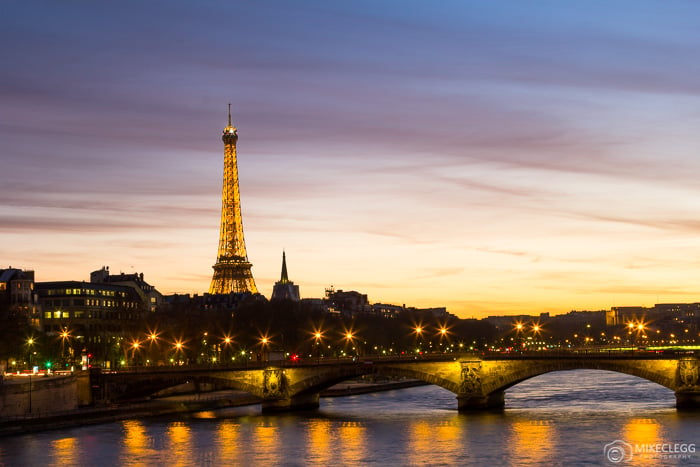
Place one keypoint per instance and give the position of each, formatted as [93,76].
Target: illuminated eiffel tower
[232,269]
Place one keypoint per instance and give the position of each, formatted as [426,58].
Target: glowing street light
[443,331]
[349,336]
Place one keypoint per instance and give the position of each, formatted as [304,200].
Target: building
[17,293]
[98,317]
[232,271]
[388,311]
[284,289]
[347,303]
[621,315]
[150,297]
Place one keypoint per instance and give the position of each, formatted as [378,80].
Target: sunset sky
[491,157]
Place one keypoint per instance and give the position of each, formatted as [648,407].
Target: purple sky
[491,157]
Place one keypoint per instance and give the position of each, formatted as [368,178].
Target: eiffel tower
[232,272]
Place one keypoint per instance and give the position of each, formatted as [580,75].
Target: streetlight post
[30,343]
[418,330]
[135,345]
[317,337]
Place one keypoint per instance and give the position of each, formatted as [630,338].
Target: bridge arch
[314,381]
[655,371]
[140,384]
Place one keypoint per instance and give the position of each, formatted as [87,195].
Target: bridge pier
[475,402]
[687,400]
[298,402]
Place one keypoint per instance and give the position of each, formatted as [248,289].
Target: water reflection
[179,444]
[642,433]
[319,442]
[227,441]
[352,443]
[531,441]
[65,450]
[266,442]
[135,441]
[420,440]
[430,440]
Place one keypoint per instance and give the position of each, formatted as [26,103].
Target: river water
[562,418]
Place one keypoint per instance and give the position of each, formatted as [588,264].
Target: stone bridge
[479,382]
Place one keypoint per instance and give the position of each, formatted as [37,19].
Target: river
[581,417]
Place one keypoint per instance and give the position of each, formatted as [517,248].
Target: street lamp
[135,345]
[227,341]
[30,343]
[349,338]
[179,346]
[418,332]
[152,337]
[264,342]
[65,336]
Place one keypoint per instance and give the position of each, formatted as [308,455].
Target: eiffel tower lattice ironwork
[232,271]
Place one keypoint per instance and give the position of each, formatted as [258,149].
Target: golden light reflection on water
[266,440]
[320,449]
[135,439]
[426,438]
[65,450]
[420,442]
[179,444]
[227,441]
[352,443]
[531,441]
[641,432]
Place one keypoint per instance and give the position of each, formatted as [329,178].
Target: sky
[497,157]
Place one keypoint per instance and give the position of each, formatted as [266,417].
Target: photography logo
[618,451]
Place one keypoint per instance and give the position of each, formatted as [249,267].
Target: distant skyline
[491,157]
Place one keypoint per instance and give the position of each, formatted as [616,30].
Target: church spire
[285,289]
[284,279]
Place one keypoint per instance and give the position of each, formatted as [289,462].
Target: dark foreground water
[581,417]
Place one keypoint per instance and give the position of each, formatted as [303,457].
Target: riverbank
[184,403]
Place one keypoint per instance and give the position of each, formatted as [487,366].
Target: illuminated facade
[97,317]
[232,271]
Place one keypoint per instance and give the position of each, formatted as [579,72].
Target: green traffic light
[48,364]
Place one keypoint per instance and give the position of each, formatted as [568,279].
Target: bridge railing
[321,361]
[371,359]
[591,353]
